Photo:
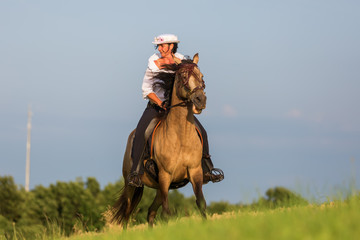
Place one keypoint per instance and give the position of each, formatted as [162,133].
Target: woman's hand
[163,106]
[155,99]
[163,61]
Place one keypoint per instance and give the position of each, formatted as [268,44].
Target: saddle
[149,164]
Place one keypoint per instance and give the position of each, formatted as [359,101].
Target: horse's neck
[180,118]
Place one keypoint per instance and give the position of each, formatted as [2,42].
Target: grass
[333,220]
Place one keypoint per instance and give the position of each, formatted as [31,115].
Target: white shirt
[149,80]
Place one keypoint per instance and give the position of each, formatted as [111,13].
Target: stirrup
[216,175]
[134,180]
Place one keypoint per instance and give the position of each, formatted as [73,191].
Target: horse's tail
[126,204]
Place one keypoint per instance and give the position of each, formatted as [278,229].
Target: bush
[67,207]
[11,199]
[280,196]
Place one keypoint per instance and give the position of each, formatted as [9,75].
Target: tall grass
[331,220]
[52,231]
[290,218]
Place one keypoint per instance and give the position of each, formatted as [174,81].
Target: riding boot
[134,178]
[210,173]
[137,169]
[138,148]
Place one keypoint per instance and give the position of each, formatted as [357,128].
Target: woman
[167,45]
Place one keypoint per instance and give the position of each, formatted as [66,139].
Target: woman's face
[165,49]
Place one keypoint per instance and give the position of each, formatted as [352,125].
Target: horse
[177,148]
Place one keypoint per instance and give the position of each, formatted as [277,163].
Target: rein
[181,104]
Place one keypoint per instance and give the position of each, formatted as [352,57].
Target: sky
[282,82]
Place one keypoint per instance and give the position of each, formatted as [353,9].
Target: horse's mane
[165,79]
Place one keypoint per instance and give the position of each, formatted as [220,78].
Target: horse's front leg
[153,208]
[164,184]
[196,179]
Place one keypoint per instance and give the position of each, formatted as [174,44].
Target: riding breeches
[139,140]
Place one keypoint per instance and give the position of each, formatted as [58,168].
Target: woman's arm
[147,88]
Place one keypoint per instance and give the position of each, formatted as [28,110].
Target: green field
[333,220]
[77,210]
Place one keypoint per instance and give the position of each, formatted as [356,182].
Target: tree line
[67,207]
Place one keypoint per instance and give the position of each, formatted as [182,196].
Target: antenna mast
[27,171]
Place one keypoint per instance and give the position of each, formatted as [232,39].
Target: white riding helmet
[165,38]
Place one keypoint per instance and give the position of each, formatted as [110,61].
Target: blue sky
[282,83]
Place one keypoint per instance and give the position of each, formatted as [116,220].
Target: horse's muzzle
[199,100]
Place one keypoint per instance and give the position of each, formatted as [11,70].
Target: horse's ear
[196,58]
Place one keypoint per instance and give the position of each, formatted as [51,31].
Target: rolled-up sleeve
[147,85]
[149,79]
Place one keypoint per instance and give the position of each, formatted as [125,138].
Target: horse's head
[190,84]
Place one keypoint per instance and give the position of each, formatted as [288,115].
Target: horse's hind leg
[153,208]
[196,179]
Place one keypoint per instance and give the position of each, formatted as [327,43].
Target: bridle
[185,72]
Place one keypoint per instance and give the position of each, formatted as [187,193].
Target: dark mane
[165,79]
